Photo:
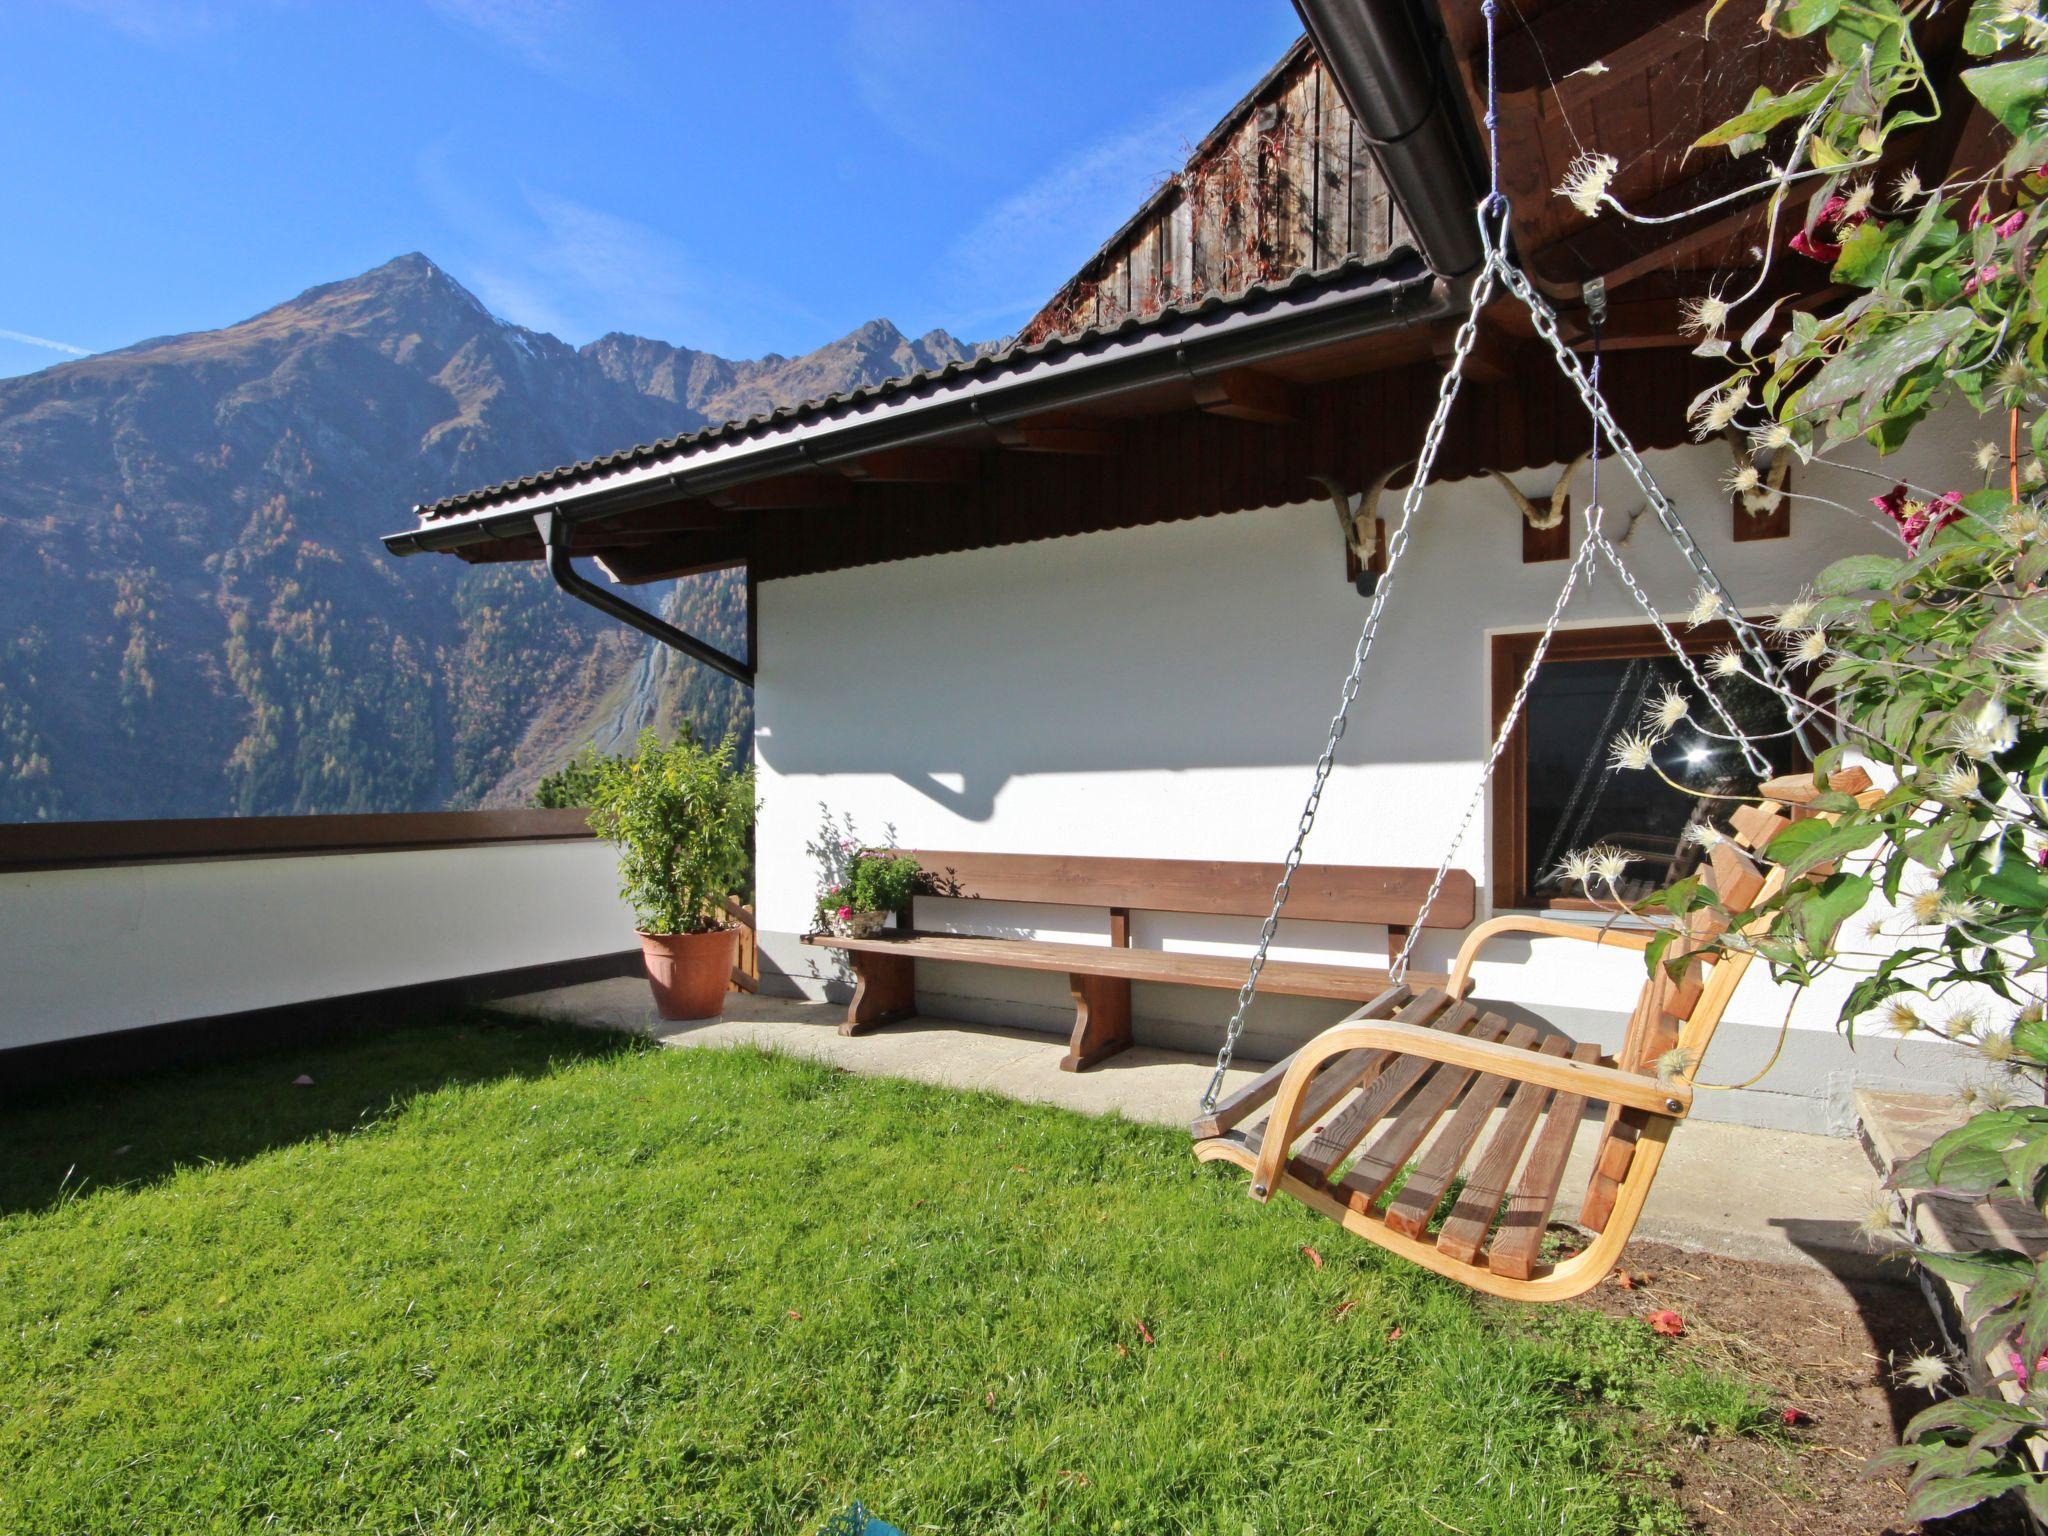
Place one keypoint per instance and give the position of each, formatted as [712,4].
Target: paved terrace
[1774,1196]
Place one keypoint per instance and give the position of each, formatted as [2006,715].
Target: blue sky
[740,175]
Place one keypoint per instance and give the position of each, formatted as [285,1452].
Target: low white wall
[88,951]
[1164,692]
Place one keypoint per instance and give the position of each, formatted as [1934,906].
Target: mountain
[197,618]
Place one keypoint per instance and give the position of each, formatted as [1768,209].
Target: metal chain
[1581,564]
[1496,268]
[1758,764]
[1397,544]
[1746,634]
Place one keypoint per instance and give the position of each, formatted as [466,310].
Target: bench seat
[1101,975]
[887,990]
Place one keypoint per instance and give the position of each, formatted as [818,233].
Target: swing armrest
[1609,1084]
[1637,939]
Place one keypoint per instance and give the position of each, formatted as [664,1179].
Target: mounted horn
[1560,500]
[1364,531]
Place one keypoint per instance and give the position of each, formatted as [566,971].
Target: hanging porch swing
[1425,1071]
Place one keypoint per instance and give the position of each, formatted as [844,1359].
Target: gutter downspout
[554,536]
[1399,97]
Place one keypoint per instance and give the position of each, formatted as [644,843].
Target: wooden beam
[1248,395]
[915,466]
[1051,434]
[1492,360]
[636,566]
[499,551]
[1566,38]
[784,493]
[673,517]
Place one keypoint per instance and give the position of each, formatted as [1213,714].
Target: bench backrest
[1332,893]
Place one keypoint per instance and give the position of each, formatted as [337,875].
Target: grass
[495,1277]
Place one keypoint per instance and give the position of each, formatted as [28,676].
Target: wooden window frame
[1508,656]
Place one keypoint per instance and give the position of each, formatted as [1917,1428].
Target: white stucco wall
[89,951]
[1164,692]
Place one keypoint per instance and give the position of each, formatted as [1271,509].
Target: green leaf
[1873,364]
[2010,92]
[1992,28]
[2030,1039]
[1766,111]
[1860,573]
[1950,1495]
[1802,17]
[1862,261]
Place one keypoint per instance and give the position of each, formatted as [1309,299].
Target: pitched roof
[1354,297]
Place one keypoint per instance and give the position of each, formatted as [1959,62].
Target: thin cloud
[43,341]
[904,56]
[561,38]
[1015,256]
[553,263]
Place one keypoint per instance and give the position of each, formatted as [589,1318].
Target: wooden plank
[1464,1234]
[1411,1209]
[1333,172]
[783,492]
[1354,1069]
[1381,1163]
[1338,893]
[1073,437]
[1248,395]
[914,466]
[1518,1246]
[1248,1100]
[1290,978]
[1333,1143]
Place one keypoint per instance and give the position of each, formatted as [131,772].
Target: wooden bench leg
[885,990]
[1102,1020]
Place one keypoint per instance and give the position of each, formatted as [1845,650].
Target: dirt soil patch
[1824,1348]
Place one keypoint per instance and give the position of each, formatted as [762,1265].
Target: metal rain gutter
[1375,52]
[554,536]
[1104,369]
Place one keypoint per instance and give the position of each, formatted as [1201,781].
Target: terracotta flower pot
[688,972]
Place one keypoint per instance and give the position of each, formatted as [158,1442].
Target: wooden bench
[1100,976]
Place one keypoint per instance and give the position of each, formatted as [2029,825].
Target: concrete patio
[1772,1196]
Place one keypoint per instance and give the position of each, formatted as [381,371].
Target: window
[1555,792]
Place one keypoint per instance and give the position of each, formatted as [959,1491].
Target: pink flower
[1977,279]
[1810,241]
[846,911]
[2019,1365]
[2012,223]
[1918,519]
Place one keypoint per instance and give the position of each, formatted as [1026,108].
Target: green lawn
[493,1277]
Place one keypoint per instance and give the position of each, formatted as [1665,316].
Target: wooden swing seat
[1436,1077]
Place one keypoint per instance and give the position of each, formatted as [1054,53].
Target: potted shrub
[873,885]
[679,816]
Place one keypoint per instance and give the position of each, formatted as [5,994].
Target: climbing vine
[1933,892]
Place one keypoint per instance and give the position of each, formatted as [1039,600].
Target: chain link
[1397,544]
[1582,564]
[1746,634]
[1497,269]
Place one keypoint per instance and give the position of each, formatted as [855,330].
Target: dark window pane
[1575,709]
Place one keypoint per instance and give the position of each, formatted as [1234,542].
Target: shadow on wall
[1042,659]
[1212,643]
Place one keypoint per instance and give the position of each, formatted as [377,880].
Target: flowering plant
[868,880]
[1933,661]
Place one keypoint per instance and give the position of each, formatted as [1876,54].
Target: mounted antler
[1560,498]
[1772,476]
[1362,527]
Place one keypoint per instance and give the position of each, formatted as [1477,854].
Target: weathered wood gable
[1283,184]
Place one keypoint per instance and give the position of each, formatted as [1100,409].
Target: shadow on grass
[134,1131]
